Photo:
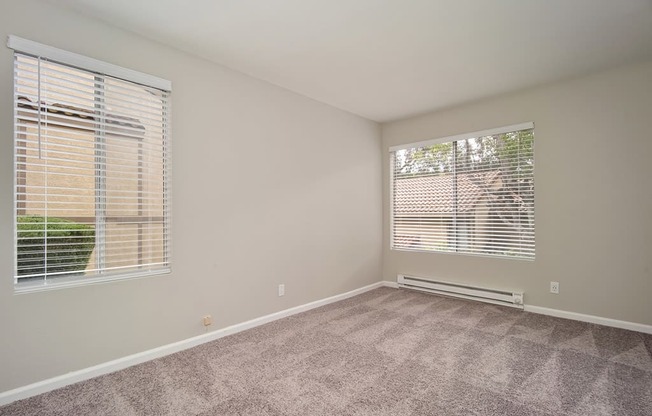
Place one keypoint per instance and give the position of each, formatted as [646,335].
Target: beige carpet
[386,352]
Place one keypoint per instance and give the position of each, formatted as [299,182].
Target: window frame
[101,70]
[449,139]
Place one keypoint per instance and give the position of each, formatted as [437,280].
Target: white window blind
[470,194]
[92,168]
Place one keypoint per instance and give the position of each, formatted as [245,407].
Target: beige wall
[268,187]
[593,197]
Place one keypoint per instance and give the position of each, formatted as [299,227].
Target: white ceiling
[390,59]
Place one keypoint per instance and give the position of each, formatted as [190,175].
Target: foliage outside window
[472,195]
[53,244]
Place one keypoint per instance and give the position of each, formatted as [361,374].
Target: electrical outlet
[281,290]
[554,287]
[208,320]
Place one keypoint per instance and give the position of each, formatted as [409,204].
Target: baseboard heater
[498,297]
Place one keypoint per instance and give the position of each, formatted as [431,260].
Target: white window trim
[66,282]
[80,61]
[472,135]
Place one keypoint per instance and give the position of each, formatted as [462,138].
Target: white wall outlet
[208,320]
[281,290]
[554,287]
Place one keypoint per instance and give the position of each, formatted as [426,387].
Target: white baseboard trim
[615,323]
[141,357]
[632,326]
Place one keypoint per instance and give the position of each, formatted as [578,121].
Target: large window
[470,194]
[91,170]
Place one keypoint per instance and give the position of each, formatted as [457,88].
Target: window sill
[67,282]
[462,253]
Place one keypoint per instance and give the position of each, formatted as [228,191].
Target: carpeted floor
[386,352]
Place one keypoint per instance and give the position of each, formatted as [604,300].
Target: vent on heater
[499,297]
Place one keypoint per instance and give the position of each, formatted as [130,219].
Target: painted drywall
[593,204]
[268,187]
